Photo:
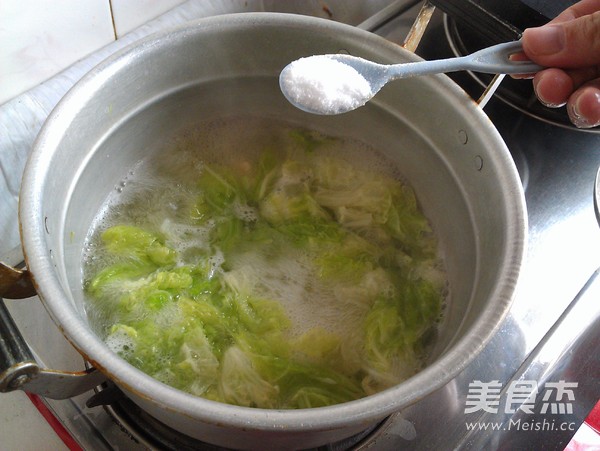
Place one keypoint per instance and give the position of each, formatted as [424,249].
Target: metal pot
[444,145]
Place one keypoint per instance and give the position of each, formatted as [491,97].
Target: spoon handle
[491,60]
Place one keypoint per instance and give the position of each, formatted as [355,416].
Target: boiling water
[159,192]
[160,195]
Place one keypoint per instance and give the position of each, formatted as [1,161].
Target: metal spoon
[320,84]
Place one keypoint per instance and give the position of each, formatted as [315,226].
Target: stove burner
[144,429]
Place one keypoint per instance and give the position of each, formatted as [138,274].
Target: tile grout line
[112,19]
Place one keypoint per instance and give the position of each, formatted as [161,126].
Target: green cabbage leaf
[214,319]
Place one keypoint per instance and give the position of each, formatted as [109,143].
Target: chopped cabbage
[344,243]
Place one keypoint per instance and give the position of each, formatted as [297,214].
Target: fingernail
[542,100]
[546,40]
[577,118]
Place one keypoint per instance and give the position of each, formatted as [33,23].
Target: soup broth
[258,264]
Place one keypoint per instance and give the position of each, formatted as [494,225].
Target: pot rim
[365,410]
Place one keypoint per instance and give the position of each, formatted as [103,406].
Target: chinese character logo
[557,397]
[561,389]
[521,394]
[483,396]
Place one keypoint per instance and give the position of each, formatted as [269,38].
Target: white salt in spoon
[338,83]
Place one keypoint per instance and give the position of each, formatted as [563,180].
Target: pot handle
[17,364]
[15,283]
[18,367]
[20,371]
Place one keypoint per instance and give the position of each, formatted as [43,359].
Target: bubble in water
[121,342]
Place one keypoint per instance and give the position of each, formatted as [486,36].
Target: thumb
[571,44]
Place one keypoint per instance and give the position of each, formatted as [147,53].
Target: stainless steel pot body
[126,108]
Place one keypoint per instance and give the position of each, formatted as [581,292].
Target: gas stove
[538,378]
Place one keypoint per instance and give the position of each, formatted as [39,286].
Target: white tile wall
[40,38]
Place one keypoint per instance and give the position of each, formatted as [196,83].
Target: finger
[553,87]
[520,57]
[571,44]
[584,105]
[580,9]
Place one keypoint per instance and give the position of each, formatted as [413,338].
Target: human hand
[569,46]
